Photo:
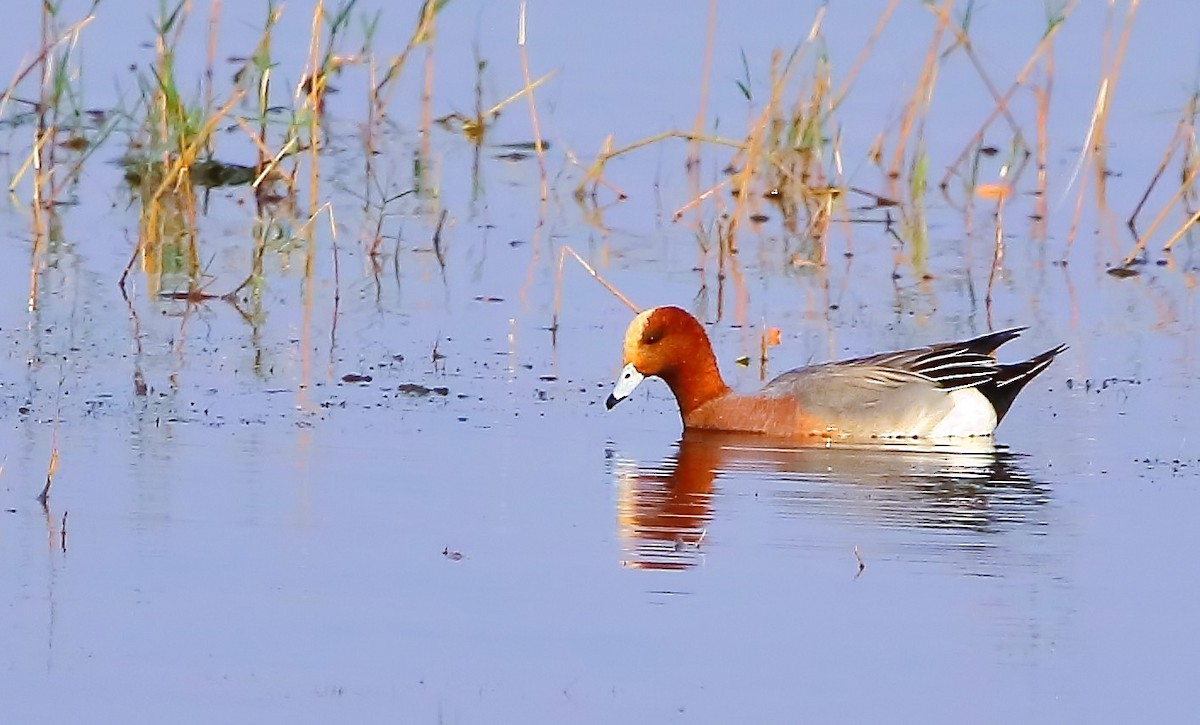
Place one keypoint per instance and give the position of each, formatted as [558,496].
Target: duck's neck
[696,381]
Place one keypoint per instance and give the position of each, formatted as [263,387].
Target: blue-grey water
[236,533]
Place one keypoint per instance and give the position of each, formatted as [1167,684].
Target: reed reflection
[664,508]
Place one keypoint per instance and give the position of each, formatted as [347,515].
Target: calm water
[469,537]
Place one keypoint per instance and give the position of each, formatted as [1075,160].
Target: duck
[946,390]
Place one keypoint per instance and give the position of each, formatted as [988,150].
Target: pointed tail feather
[1003,388]
[987,344]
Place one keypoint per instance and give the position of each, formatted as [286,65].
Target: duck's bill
[630,378]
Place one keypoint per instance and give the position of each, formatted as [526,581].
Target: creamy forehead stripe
[633,334]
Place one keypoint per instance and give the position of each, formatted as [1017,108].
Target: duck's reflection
[664,508]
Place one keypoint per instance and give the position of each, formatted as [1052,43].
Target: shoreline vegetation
[787,164]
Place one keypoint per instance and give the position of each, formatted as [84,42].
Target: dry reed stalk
[1002,101]
[312,94]
[692,164]
[177,172]
[558,284]
[599,180]
[426,136]
[743,179]
[375,115]
[436,242]
[40,227]
[1076,215]
[51,468]
[880,23]
[71,34]
[422,33]
[168,203]
[269,161]
[42,158]
[729,267]
[170,209]
[262,97]
[1191,166]
[1104,103]
[997,250]
[308,297]
[474,128]
[1184,135]
[1181,231]
[214,23]
[766,149]
[1142,239]
[700,198]
[1191,153]
[522,51]
[918,104]
[591,177]
[1095,140]
[1042,95]
[53,465]
[747,158]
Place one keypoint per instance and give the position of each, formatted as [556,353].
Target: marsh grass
[1183,144]
[174,127]
[791,156]
[59,124]
[785,171]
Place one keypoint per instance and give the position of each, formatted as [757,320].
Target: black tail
[1002,389]
[986,344]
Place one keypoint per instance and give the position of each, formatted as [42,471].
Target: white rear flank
[972,415]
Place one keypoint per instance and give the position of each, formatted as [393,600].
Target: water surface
[237,533]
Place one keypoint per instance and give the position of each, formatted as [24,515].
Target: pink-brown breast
[775,416]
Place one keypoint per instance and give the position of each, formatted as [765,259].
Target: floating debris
[209,174]
[421,391]
[523,146]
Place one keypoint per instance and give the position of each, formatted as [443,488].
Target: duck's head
[660,342]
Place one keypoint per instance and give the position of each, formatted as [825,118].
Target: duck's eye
[652,338]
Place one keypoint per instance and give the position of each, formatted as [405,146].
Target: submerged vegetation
[180,135]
